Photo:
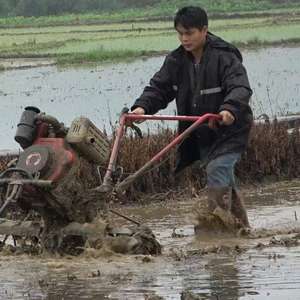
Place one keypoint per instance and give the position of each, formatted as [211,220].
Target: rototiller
[45,179]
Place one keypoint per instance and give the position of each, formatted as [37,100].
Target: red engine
[51,149]
[50,158]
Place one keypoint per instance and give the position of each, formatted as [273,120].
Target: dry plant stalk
[271,152]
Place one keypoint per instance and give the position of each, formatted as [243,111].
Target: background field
[98,40]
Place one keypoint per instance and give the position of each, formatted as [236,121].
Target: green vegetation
[88,37]
[99,56]
[123,9]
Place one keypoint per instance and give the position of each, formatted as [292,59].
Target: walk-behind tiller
[44,180]
[121,187]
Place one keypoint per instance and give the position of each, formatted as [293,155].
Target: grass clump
[95,56]
[272,154]
[254,41]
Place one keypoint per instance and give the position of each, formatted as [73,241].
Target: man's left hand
[227,117]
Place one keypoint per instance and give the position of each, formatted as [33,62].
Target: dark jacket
[221,67]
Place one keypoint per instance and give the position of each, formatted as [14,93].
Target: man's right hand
[138,111]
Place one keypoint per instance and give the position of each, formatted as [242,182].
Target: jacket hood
[216,42]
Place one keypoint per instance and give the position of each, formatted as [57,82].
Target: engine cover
[51,157]
[89,141]
[36,158]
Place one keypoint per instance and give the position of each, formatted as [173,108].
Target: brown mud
[266,262]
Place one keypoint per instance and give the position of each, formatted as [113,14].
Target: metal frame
[122,186]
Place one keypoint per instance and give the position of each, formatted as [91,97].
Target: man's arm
[236,85]
[158,93]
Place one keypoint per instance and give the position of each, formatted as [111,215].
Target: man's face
[192,39]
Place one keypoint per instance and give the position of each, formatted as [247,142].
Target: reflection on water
[272,273]
[100,92]
[257,273]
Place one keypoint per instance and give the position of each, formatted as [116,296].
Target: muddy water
[99,92]
[254,273]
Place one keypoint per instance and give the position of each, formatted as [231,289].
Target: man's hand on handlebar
[227,117]
[137,111]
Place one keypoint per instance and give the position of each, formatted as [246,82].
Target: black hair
[191,16]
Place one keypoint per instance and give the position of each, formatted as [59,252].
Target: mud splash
[265,264]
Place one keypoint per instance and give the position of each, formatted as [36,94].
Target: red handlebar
[106,185]
[176,118]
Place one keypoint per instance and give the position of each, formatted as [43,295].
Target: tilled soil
[264,263]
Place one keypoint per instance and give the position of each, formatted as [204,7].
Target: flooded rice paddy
[265,265]
[99,92]
[262,266]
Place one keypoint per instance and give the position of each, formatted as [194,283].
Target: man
[205,75]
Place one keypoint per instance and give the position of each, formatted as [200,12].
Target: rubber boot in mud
[215,217]
[238,209]
[219,196]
